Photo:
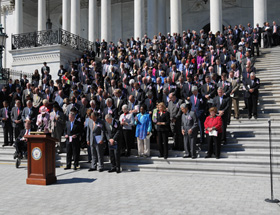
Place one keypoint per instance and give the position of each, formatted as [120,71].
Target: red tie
[18,111]
[247,75]
[26,133]
[189,87]
[223,84]
[150,101]
[195,100]
[169,87]
[240,56]
[173,77]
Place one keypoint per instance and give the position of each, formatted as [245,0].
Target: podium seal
[36,153]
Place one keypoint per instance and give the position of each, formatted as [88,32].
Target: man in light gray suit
[189,130]
[235,82]
[95,132]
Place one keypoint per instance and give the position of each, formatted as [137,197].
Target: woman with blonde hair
[163,125]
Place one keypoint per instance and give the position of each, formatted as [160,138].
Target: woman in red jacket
[213,130]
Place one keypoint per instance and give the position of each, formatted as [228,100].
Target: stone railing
[7,73]
[50,37]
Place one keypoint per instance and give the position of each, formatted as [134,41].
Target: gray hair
[124,107]
[108,116]
[92,102]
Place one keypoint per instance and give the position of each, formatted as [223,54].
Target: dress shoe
[165,158]
[66,168]
[4,145]
[255,117]
[193,157]
[10,144]
[100,170]
[186,156]
[249,117]
[217,157]
[118,170]
[237,117]
[75,168]
[112,170]
[91,169]
[160,156]
[207,156]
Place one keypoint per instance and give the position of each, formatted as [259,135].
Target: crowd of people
[146,90]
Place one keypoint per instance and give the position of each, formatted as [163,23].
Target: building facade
[115,19]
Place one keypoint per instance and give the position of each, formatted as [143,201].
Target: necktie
[71,126]
[195,100]
[118,102]
[93,124]
[207,87]
[221,100]
[26,133]
[6,111]
[18,111]
[247,75]
[173,78]
[223,84]
[150,101]
[189,87]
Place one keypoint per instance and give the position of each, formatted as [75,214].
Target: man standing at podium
[72,135]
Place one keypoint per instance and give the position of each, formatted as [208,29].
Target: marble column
[175,16]
[42,15]
[66,15]
[106,28]
[138,19]
[152,19]
[92,20]
[260,12]
[18,17]
[75,17]
[216,18]
[162,16]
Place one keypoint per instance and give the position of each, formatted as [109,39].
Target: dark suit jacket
[3,115]
[199,107]
[249,85]
[76,130]
[97,130]
[165,117]
[114,112]
[115,132]
[140,95]
[224,106]
[212,90]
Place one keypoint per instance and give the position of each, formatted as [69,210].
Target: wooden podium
[41,159]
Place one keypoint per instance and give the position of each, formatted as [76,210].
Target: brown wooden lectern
[41,159]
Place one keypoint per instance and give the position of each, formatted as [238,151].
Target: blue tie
[71,125]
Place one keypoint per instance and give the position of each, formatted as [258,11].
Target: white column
[175,16]
[106,28]
[18,17]
[162,16]
[66,15]
[42,15]
[138,18]
[92,20]
[260,12]
[216,16]
[75,17]
[152,18]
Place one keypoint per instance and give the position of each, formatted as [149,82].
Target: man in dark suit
[16,118]
[150,102]
[20,143]
[95,132]
[198,107]
[208,91]
[255,38]
[5,117]
[138,93]
[97,47]
[174,75]
[221,102]
[252,86]
[112,133]
[44,68]
[119,101]
[72,135]
[110,109]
